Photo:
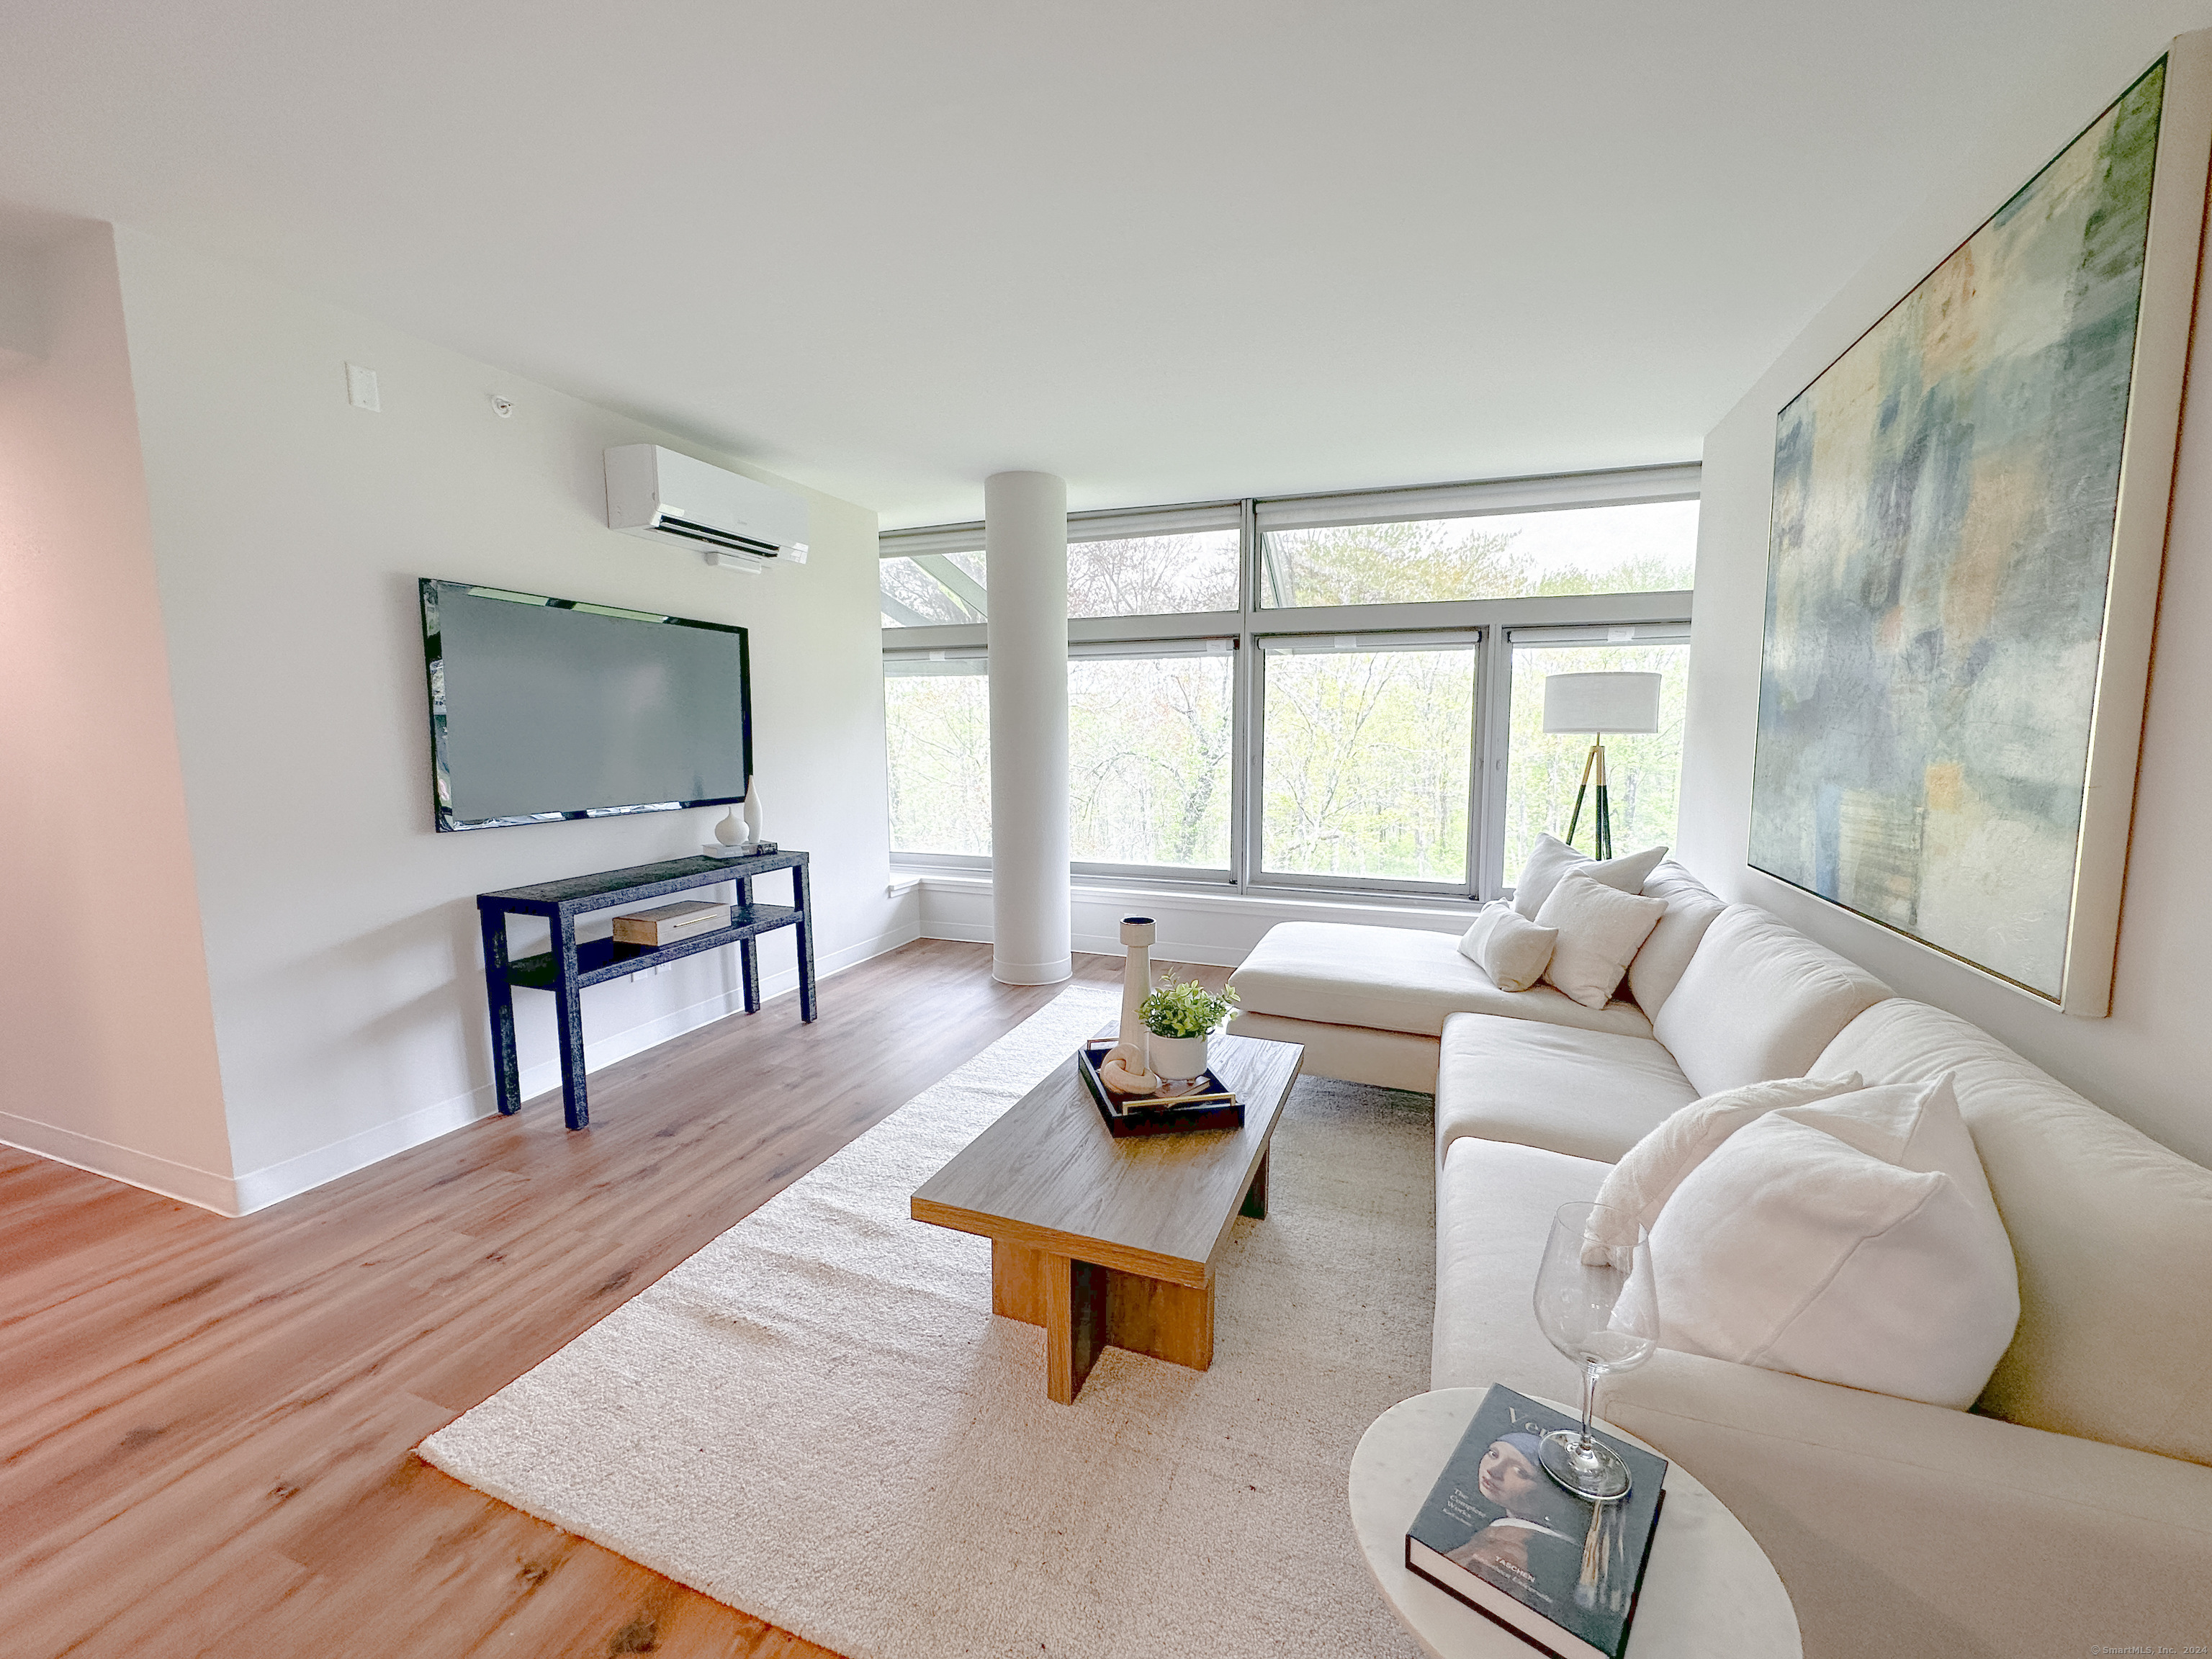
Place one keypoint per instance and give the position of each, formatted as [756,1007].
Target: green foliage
[1642,572]
[1443,559]
[1148,739]
[1367,762]
[1187,1009]
[1148,760]
[938,730]
[1129,576]
[1368,754]
[1385,564]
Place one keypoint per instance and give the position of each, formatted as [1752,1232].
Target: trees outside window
[937,731]
[1140,575]
[1148,760]
[1367,761]
[1323,691]
[1646,547]
[1152,576]
[923,589]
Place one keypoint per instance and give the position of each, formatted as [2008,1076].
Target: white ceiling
[1171,251]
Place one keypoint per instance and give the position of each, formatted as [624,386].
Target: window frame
[1489,625]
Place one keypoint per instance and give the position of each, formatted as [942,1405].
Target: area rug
[818,1419]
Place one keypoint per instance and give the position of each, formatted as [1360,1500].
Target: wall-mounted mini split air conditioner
[728,518]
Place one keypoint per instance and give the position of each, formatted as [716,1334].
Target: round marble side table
[1710,1590]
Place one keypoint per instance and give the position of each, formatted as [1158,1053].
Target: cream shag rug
[817,1419]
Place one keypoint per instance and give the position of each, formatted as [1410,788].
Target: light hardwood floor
[206,1425]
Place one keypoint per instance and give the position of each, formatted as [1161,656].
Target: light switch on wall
[360,388]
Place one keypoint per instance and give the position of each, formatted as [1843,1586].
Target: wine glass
[1599,1308]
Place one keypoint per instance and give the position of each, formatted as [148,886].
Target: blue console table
[568,967]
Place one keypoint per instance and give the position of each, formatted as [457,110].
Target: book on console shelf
[1205,1102]
[668,924]
[1497,1532]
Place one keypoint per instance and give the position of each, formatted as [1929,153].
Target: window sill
[1282,904]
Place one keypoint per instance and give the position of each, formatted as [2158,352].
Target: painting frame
[2110,736]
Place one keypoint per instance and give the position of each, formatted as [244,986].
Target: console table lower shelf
[569,965]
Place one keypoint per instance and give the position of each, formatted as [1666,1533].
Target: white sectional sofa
[2069,1511]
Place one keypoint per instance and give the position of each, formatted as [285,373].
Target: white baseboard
[182,1181]
[275,1183]
[1105,945]
[1207,951]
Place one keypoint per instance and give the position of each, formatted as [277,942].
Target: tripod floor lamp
[1598,703]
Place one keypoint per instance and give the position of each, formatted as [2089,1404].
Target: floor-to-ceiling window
[1315,692]
[938,725]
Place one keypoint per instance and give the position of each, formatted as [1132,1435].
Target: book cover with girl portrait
[1496,1525]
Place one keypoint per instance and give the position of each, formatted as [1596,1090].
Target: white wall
[22,306]
[109,1048]
[289,530]
[2148,1062]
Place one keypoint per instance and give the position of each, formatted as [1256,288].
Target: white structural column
[1025,569]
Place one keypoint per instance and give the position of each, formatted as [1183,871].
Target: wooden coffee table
[1106,1242]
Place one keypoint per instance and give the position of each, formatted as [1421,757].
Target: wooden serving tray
[1135,1114]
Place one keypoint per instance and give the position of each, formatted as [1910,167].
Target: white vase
[1177,1058]
[730,832]
[753,813]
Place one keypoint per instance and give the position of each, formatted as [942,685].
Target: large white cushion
[1638,1187]
[1395,979]
[1597,931]
[2102,1219]
[1552,858]
[1853,1242]
[1760,1000]
[1495,1202]
[1691,909]
[1588,1094]
[1510,948]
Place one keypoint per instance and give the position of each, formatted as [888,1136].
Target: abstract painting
[1940,572]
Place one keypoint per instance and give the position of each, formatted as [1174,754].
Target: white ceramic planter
[1178,1058]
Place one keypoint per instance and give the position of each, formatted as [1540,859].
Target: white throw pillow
[1512,949]
[1600,931]
[1853,1241]
[1638,1187]
[1552,858]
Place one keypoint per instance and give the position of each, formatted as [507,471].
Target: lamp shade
[1601,702]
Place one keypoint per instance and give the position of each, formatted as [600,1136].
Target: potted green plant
[1180,1017]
